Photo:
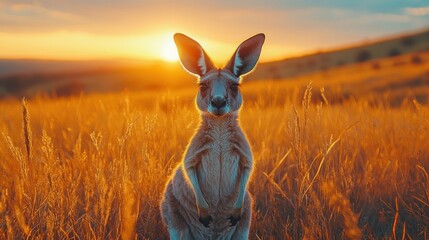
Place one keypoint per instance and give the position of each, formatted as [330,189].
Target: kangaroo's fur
[206,196]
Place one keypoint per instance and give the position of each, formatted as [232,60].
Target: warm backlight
[169,51]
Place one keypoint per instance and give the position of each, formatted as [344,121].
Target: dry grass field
[94,167]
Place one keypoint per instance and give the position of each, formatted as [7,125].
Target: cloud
[23,17]
[418,11]
[31,10]
[135,17]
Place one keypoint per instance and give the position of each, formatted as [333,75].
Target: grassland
[94,167]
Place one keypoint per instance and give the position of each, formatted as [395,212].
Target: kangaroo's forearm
[242,187]
[192,174]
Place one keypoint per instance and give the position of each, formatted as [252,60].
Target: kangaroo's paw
[235,217]
[206,221]
[204,217]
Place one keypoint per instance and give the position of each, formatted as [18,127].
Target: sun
[169,51]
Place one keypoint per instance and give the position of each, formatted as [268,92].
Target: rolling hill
[387,47]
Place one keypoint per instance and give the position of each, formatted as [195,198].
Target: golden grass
[94,167]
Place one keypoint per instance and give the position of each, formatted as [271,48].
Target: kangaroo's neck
[213,125]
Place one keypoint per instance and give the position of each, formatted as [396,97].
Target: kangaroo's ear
[192,56]
[246,56]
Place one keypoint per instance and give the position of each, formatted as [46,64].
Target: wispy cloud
[33,10]
[417,11]
[33,17]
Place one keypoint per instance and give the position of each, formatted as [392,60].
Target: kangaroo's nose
[218,101]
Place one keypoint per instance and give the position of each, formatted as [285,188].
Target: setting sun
[169,51]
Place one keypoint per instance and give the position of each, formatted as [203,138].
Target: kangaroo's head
[219,92]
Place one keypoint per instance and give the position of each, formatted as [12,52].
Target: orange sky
[85,46]
[109,29]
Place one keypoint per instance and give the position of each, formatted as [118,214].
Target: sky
[142,29]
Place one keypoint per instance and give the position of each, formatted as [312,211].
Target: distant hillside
[72,78]
[321,61]
[393,81]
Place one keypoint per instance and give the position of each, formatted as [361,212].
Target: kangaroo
[206,196]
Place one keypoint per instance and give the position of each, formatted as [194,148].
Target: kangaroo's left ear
[246,56]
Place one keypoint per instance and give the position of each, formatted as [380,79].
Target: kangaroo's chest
[219,169]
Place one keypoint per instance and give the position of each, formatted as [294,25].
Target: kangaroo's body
[206,197]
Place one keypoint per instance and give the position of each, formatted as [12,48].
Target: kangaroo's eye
[234,87]
[203,87]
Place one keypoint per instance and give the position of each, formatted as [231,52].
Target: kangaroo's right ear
[192,56]
[246,56]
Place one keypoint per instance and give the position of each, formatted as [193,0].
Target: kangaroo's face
[219,92]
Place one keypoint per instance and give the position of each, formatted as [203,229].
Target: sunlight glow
[76,45]
[169,51]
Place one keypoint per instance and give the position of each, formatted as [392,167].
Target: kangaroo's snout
[219,105]
[219,95]
[218,102]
